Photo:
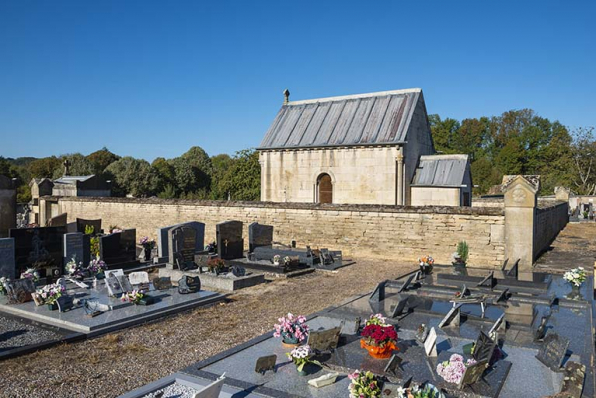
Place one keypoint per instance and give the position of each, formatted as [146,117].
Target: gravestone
[259,235]
[452,318]
[162,283]
[118,248]
[65,303]
[40,248]
[182,241]
[20,290]
[430,344]
[230,244]
[73,247]
[82,224]
[472,374]
[124,283]
[58,221]
[393,365]
[484,348]
[553,351]
[163,244]
[324,340]
[113,285]
[265,363]
[189,284]
[138,278]
[7,260]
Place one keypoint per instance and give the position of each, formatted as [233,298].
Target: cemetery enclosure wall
[389,232]
[550,219]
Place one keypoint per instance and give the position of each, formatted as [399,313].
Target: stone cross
[67,165]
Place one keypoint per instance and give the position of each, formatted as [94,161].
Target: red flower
[379,335]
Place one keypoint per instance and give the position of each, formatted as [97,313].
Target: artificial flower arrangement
[378,338]
[364,385]
[133,297]
[3,280]
[146,242]
[301,356]
[276,259]
[49,294]
[292,329]
[216,264]
[30,273]
[73,268]
[576,276]
[97,267]
[420,391]
[287,260]
[426,261]
[453,370]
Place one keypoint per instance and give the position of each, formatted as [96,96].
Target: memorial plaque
[7,258]
[265,363]
[430,345]
[73,247]
[472,374]
[20,290]
[125,283]
[513,272]
[113,285]
[553,351]
[351,327]
[406,284]
[182,241]
[488,281]
[65,303]
[163,244]
[393,365]
[484,348]
[163,283]
[114,272]
[189,284]
[400,306]
[452,318]
[230,244]
[498,325]
[259,235]
[82,224]
[324,340]
[325,257]
[504,296]
[138,278]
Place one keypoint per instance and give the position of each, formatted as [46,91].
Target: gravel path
[116,363]
[174,390]
[14,334]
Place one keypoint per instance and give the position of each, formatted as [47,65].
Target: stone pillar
[562,194]
[8,206]
[520,210]
[400,177]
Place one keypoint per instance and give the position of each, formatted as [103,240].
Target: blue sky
[149,79]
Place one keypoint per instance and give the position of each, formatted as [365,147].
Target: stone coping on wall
[480,211]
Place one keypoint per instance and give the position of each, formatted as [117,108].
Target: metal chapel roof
[441,171]
[363,119]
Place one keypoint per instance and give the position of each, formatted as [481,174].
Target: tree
[583,150]
[101,159]
[166,183]
[192,172]
[79,166]
[44,167]
[443,132]
[221,164]
[243,179]
[133,177]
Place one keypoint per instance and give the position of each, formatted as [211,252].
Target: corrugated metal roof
[72,179]
[441,170]
[363,119]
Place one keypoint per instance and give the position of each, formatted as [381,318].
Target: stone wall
[400,234]
[551,217]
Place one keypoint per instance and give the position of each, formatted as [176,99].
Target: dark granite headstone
[393,365]
[230,244]
[400,306]
[118,248]
[259,235]
[265,363]
[472,374]
[82,224]
[189,284]
[163,243]
[182,245]
[74,247]
[109,248]
[65,303]
[20,290]
[484,348]
[40,248]
[553,351]
[7,260]
[324,340]
[163,283]
[58,221]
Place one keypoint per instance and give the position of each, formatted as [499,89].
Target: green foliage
[44,167]
[101,159]
[79,166]
[89,229]
[583,160]
[462,251]
[132,176]
[243,179]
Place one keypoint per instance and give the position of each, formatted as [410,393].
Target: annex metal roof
[441,171]
[363,119]
[73,179]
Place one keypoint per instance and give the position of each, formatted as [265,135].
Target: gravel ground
[174,390]
[574,247]
[15,334]
[119,362]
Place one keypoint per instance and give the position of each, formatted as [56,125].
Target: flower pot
[379,352]
[53,306]
[468,348]
[290,344]
[147,300]
[426,269]
[460,269]
[308,369]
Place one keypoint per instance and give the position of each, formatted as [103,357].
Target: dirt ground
[119,362]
